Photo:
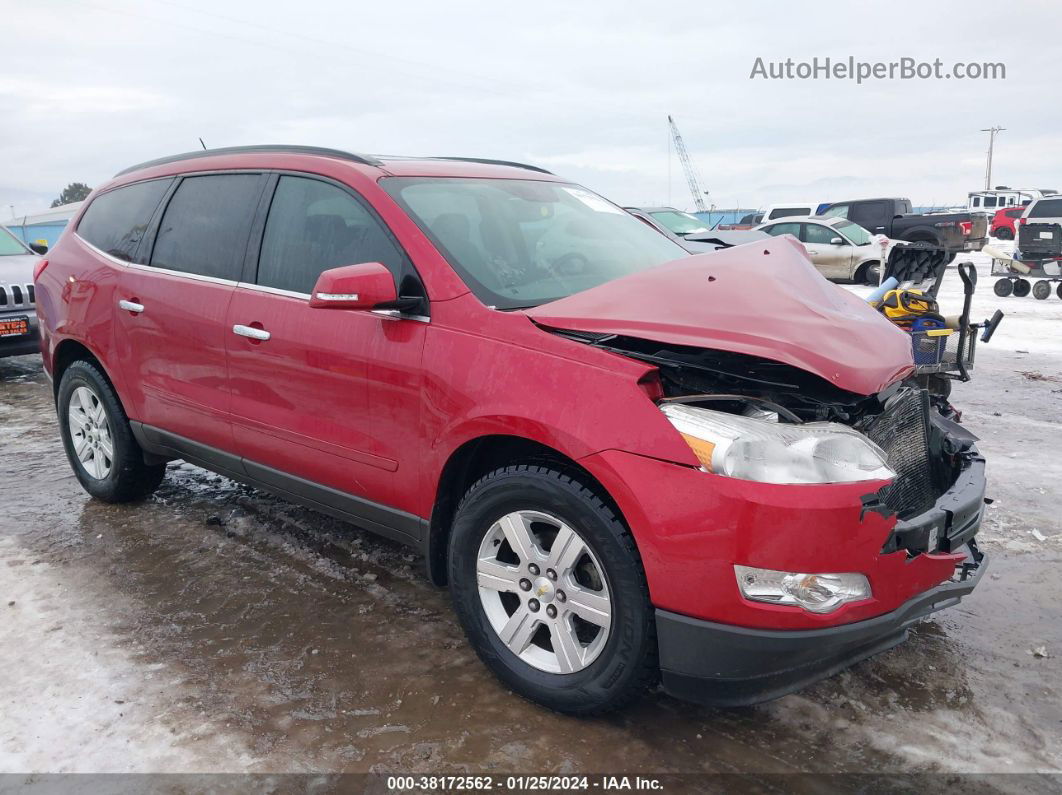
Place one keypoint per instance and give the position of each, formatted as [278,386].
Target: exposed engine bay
[917,431]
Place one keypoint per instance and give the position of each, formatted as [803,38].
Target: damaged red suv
[626,462]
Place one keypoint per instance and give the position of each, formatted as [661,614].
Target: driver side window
[314,226]
[818,234]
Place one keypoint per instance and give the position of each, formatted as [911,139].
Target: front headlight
[816,593]
[774,452]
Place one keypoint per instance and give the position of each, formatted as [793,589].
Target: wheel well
[473,460]
[861,272]
[68,352]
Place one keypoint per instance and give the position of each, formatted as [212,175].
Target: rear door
[330,396]
[172,304]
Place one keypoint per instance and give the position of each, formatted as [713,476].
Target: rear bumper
[725,665]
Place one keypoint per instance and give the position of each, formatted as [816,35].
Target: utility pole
[991,142]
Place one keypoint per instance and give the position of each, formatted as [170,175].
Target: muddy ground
[215,628]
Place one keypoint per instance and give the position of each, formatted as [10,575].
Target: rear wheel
[1003,234]
[1022,288]
[99,443]
[548,586]
[1042,289]
[1058,290]
[1003,287]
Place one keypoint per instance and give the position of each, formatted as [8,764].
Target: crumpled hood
[762,299]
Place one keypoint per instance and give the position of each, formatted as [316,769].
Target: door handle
[251,333]
[131,306]
[812,251]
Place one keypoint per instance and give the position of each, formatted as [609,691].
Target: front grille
[902,431]
[16,295]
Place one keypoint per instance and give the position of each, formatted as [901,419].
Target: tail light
[966,226]
[1023,221]
[38,269]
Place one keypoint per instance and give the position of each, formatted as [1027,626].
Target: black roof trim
[237,150]
[489,162]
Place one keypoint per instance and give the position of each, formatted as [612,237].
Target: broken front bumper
[724,665]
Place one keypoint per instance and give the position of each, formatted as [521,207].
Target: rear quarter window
[116,221]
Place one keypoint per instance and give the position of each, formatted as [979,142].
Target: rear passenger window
[784,229]
[314,226]
[1046,208]
[206,225]
[116,221]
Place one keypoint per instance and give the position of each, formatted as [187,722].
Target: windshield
[680,223]
[9,244]
[854,232]
[521,243]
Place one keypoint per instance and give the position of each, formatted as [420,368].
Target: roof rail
[236,150]
[490,162]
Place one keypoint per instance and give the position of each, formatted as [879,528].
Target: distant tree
[74,192]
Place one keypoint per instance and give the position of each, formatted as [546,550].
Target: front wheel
[547,583]
[1003,287]
[869,274]
[99,443]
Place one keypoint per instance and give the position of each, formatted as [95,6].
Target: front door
[330,396]
[171,315]
[833,260]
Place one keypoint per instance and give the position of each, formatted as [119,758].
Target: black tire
[1003,234]
[128,478]
[1003,287]
[1022,287]
[1058,290]
[869,273]
[627,663]
[1041,290]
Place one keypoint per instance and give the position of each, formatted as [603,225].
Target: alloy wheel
[544,592]
[90,432]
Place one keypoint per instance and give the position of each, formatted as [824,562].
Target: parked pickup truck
[893,218]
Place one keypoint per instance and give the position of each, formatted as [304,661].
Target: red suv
[626,462]
[1002,226]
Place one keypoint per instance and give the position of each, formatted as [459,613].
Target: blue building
[43,227]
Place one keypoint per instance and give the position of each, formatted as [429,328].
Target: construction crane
[687,166]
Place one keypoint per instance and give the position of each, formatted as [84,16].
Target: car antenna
[202,144]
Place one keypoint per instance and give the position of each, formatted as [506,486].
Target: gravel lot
[214,628]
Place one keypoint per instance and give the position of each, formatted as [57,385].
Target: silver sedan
[839,249]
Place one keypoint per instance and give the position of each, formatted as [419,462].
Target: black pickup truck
[955,232]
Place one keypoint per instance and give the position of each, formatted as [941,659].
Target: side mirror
[363,286]
[837,241]
[38,248]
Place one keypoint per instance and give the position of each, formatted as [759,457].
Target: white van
[786,209]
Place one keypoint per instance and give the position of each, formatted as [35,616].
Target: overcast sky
[583,88]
